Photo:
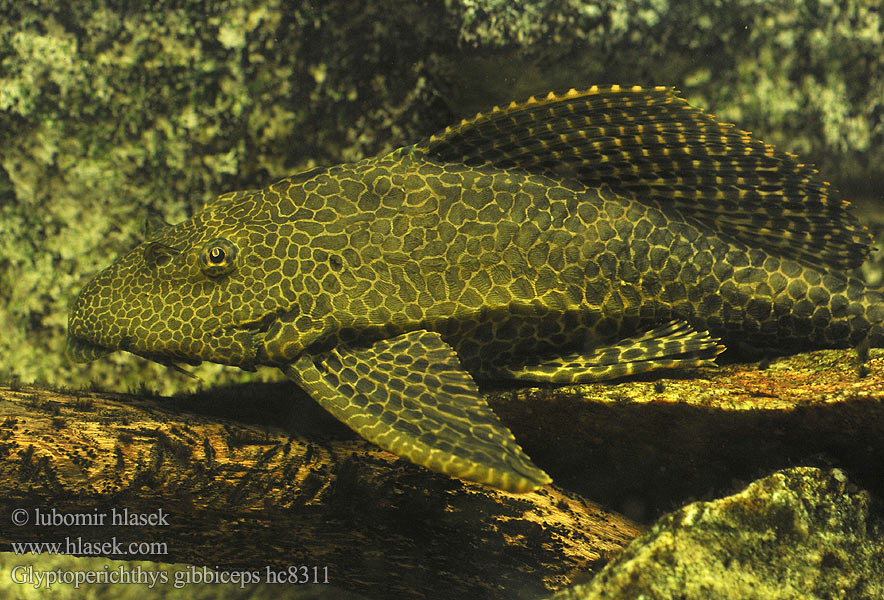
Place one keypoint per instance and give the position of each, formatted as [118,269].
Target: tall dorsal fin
[652,145]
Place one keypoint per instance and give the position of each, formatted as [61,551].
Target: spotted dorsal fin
[652,145]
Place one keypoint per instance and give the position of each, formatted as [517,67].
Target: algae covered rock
[798,533]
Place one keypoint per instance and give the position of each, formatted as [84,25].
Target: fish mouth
[248,339]
[81,350]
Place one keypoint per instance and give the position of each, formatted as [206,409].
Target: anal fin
[675,345]
[411,396]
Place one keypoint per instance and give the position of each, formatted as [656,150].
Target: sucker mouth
[79,350]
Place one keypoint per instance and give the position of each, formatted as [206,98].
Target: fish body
[574,238]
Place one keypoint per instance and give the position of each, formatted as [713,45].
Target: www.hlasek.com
[302,574]
[81,547]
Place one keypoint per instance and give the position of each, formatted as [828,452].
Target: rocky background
[107,113]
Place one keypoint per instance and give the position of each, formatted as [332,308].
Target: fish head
[206,289]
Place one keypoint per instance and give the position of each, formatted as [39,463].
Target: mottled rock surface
[798,533]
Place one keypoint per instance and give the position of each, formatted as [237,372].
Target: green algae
[798,533]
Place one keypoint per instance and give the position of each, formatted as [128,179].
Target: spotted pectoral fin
[410,395]
[675,345]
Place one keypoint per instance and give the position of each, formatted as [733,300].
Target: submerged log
[246,495]
[649,445]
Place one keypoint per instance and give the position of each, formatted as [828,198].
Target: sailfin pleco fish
[571,238]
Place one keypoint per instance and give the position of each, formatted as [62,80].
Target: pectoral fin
[675,345]
[80,350]
[410,395]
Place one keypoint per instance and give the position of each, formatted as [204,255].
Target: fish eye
[217,257]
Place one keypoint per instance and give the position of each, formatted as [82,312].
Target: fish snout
[90,323]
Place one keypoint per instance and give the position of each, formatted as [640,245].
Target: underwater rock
[798,533]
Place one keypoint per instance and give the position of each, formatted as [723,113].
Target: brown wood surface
[651,444]
[245,494]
